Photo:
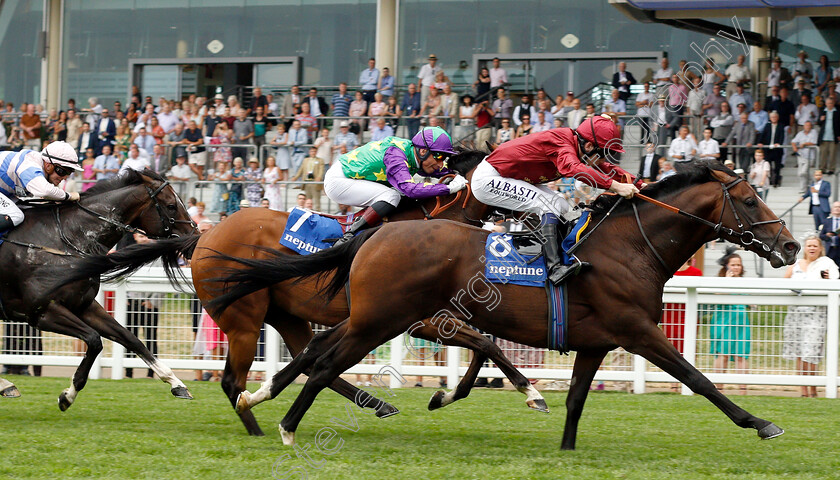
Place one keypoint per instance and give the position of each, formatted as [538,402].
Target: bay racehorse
[618,303]
[57,236]
[290,307]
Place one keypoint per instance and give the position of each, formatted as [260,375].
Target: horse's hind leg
[58,319]
[98,319]
[466,337]
[8,389]
[586,364]
[655,347]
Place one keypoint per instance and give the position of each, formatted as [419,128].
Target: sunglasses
[440,156]
[62,171]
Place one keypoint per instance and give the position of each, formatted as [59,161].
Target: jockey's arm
[570,166]
[400,177]
[39,187]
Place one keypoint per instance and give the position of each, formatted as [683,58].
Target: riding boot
[372,217]
[6,223]
[557,270]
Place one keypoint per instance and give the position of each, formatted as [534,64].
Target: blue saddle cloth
[504,264]
[306,231]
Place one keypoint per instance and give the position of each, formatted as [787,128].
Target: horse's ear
[721,176]
[491,146]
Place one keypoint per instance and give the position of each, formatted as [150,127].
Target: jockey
[378,174]
[510,177]
[32,174]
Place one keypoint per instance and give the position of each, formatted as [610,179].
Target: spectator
[159,162]
[344,138]
[773,137]
[432,106]
[297,138]
[30,126]
[621,81]
[682,150]
[830,231]
[711,77]
[134,161]
[262,125]
[829,136]
[237,176]
[106,165]
[358,109]
[803,70]
[663,76]
[483,124]
[208,126]
[375,109]
[293,100]
[712,103]
[805,325]
[106,129]
[272,175]
[564,105]
[124,138]
[426,76]
[466,117]
[189,112]
[505,132]
[708,148]
[380,131]
[729,326]
[235,107]
[742,136]
[525,108]
[168,120]
[694,104]
[317,105]
[677,95]
[258,100]
[779,76]
[341,102]
[738,96]
[253,179]
[759,175]
[386,85]
[482,83]
[544,107]
[300,202]
[199,215]
[665,118]
[503,106]
[818,194]
[737,75]
[807,156]
[74,127]
[759,117]
[616,105]
[272,108]
[142,139]
[541,124]
[525,128]
[307,121]
[87,169]
[86,138]
[243,133]
[542,96]
[779,102]
[197,153]
[805,112]
[312,170]
[441,80]
[449,106]
[649,164]
[722,124]
[800,91]
[644,102]
[156,131]
[221,195]
[411,110]
[823,75]
[176,141]
[498,75]
[575,115]
[282,151]
[222,136]
[666,169]
[93,111]
[392,113]
[324,144]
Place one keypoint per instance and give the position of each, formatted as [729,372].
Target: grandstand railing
[766,301]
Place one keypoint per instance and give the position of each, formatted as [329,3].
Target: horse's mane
[699,171]
[125,179]
[465,160]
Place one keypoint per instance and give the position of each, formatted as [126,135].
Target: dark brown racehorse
[290,307]
[55,239]
[618,303]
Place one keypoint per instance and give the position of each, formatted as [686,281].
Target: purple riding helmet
[435,140]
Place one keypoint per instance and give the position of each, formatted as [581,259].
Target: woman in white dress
[282,154]
[805,325]
[271,175]
[466,117]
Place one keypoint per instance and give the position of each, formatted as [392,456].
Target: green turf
[133,429]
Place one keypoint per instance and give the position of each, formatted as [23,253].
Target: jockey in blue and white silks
[32,174]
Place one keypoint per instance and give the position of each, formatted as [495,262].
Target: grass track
[133,429]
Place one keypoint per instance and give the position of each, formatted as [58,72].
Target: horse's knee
[94,344]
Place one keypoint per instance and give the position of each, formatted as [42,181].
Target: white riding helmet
[61,153]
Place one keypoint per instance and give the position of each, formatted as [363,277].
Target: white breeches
[490,188]
[8,207]
[354,192]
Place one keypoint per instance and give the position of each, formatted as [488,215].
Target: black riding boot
[372,217]
[6,223]
[557,271]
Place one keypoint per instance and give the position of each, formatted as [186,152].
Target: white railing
[766,302]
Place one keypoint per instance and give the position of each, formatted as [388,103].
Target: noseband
[744,234]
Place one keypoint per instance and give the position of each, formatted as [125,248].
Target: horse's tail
[261,273]
[128,260]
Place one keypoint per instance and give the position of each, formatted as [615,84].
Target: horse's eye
[750,202]
[172,208]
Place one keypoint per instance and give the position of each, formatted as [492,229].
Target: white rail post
[396,359]
[272,351]
[121,315]
[690,341]
[831,344]
[453,362]
[639,369]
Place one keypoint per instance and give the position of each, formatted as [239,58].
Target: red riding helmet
[606,134]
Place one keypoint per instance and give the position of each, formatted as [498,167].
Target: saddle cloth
[306,231]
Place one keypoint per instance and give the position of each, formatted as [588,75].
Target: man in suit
[317,105]
[87,139]
[818,195]
[160,161]
[771,139]
[829,233]
[742,133]
[649,164]
[106,130]
[289,101]
[621,81]
[667,121]
[829,136]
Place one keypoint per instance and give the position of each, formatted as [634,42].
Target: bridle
[744,234]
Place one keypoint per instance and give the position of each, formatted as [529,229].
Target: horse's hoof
[10,392]
[770,431]
[182,392]
[386,410]
[538,405]
[288,437]
[437,400]
[63,402]
[243,401]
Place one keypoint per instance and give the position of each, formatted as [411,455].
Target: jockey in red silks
[512,175]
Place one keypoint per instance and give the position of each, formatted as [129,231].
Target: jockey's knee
[15,217]
[391,197]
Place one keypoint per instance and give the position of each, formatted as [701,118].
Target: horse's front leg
[655,347]
[586,365]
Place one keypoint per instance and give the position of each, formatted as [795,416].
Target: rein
[442,208]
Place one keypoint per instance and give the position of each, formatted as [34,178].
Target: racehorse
[636,248]
[290,307]
[53,240]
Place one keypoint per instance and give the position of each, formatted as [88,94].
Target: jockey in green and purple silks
[379,173]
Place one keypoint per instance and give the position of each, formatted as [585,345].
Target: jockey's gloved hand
[626,190]
[457,183]
[73,196]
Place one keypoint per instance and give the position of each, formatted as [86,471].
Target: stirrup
[559,273]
